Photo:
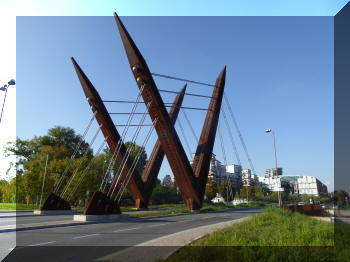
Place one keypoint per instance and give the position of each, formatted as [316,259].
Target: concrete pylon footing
[96,218]
[54,212]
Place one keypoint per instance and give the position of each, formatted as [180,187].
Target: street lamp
[5,88]
[274,146]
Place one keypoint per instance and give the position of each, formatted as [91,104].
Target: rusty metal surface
[54,202]
[140,186]
[201,160]
[191,187]
[167,135]
[100,204]
[109,130]
[151,171]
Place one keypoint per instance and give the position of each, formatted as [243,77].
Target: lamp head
[268,130]
[12,82]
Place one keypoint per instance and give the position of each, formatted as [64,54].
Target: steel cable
[231,137]
[239,133]
[127,155]
[135,162]
[86,170]
[80,162]
[189,123]
[181,79]
[183,134]
[121,140]
[73,155]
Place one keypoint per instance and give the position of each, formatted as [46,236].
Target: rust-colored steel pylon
[190,180]
[140,186]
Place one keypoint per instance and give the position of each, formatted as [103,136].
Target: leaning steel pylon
[139,186]
[191,180]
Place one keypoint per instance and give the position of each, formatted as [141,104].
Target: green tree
[59,143]
[224,190]
[165,195]
[294,199]
[211,189]
[4,187]
[134,150]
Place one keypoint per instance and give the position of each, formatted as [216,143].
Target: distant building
[272,172]
[220,173]
[311,186]
[249,179]
[296,184]
[216,170]
[234,174]
[274,184]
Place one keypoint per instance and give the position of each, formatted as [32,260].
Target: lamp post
[276,176]
[5,88]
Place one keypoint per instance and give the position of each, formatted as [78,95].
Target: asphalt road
[61,231]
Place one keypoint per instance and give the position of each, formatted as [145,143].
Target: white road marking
[8,220]
[8,227]
[126,229]
[159,225]
[85,236]
[41,244]
[183,221]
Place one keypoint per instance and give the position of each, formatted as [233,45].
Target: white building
[311,186]
[249,179]
[295,183]
[272,183]
[233,169]
[272,172]
[219,172]
[216,170]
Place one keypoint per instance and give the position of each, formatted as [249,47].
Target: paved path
[101,239]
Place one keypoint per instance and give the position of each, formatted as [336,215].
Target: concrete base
[327,219]
[195,211]
[54,212]
[88,218]
[140,209]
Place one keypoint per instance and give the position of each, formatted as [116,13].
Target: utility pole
[276,176]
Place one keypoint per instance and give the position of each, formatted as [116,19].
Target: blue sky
[279,76]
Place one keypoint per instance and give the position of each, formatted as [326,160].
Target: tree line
[59,144]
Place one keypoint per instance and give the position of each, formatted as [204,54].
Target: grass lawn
[252,240]
[14,206]
[183,210]
[173,208]
[161,213]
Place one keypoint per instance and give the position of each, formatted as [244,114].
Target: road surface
[59,238]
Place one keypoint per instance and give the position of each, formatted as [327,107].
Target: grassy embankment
[14,206]
[183,210]
[152,211]
[251,239]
